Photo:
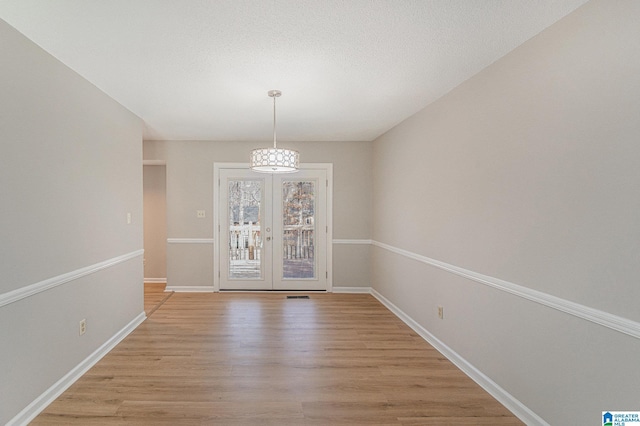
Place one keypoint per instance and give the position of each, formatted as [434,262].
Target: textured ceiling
[348,69]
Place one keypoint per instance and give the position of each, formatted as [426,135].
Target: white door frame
[328,167]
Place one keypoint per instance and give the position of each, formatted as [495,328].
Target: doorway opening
[272,231]
[155,223]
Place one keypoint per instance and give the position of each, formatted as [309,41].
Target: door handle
[268,238]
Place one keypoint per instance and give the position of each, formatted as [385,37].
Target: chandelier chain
[274,122]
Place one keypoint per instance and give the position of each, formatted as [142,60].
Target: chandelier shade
[274,160]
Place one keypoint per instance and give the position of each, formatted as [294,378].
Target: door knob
[268,238]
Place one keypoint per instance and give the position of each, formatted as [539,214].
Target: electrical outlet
[83,326]
[200,214]
[440,312]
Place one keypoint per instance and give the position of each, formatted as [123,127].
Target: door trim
[327,167]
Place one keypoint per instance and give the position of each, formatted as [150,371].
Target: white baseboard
[48,396]
[190,240]
[352,290]
[154,163]
[155,280]
[505,398]
[190,288]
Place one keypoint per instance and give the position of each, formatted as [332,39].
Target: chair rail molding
[352,241]
[606,319]
[30,290]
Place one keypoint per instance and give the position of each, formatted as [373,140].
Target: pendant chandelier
[274,160]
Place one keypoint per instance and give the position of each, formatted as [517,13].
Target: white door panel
[245,255]
[299,231]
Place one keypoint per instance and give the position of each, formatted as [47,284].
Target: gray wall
[528,173]
[190,188]
[69,174]
[155,222]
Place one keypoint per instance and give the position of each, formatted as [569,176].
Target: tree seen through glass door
[298,207]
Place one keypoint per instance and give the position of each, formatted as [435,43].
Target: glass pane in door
[298,231]
[245,242]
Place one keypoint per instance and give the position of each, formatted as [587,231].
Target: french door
[272,230]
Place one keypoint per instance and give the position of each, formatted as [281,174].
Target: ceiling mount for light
[274,160]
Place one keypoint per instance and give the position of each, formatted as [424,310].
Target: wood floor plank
[154,295]
[259,358]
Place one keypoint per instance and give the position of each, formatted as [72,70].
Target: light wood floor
[154,297]
[260,359]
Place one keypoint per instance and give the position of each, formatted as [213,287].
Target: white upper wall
[66,169]
[528,172]
[190,187]
[70,171]
[190,181]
